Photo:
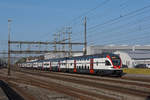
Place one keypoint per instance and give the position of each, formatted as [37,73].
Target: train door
[91,66]
[75,67]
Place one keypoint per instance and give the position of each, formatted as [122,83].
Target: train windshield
[116,60]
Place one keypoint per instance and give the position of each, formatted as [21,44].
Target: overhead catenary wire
[133,13]
[116,28]
[128,14]
[128,26]
[85,13]
[122,34]
[128,19]
[128,34]
[117,18]
[135,39]
[125,40]
[89,11]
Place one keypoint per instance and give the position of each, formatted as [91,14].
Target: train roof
[83,57]
[93,56]
[77,57]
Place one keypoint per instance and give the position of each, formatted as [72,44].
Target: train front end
[116,65]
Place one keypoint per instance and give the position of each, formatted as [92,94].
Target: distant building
[54,55]
[59,55]
[113,48]
[35,58]
[31,60]
[133,58]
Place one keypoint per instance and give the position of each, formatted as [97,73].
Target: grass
[136,71]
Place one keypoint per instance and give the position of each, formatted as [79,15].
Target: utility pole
[58,40]
[55,40]
[69,38]
[85,41]
[63,46]
[9,21]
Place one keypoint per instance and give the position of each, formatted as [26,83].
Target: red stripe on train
[91,66]
[75,69]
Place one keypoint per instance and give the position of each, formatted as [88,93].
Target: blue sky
[38,20]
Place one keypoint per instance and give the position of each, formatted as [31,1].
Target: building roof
[138,55]
[120,47]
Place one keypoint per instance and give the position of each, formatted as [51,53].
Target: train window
[107,63]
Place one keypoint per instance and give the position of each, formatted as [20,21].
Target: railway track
[125,80]
[13,92]
[121,87]
[53,86]
[86,87]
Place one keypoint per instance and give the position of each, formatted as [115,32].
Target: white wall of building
[126,59]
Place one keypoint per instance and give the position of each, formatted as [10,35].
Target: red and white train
[101,64]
